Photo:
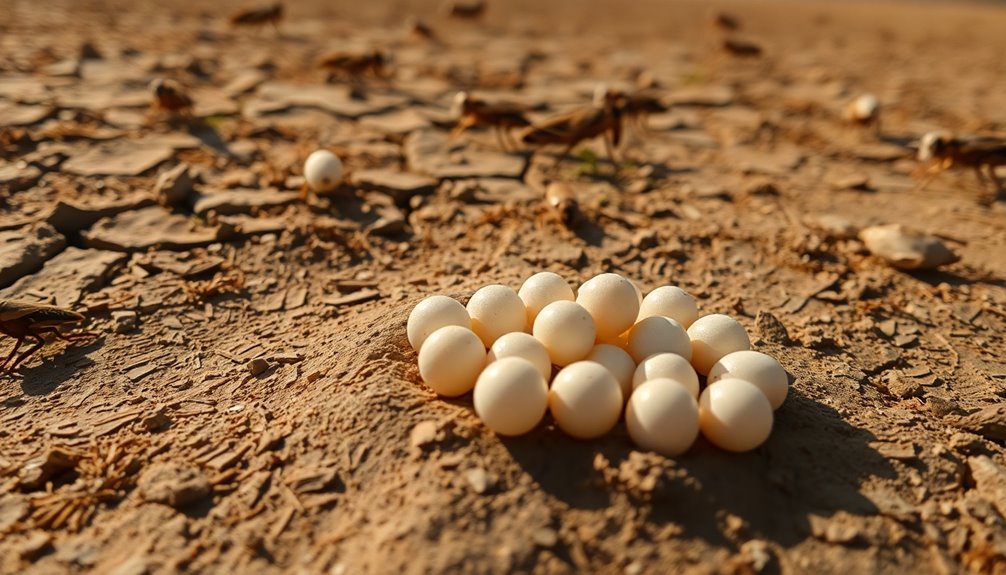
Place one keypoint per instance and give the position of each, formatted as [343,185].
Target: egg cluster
[591,356]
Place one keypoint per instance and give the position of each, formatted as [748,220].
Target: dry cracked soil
[251,405]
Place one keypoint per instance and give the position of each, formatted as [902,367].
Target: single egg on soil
[511,396]
[618,362]
[585,400]
[672,302]
[495,310]
[667,366]
[756,367]
[451,359]
[714,336]
[735,415]
[611,301]
[524,346]
[662,416]
[542,289]
[432,314]
[658,334]
[566,330]
[323,171]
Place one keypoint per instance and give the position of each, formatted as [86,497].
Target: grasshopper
[942,151]
[258,16]
[502,116]
[22,320]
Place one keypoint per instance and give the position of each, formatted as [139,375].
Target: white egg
[611,301]
[451,359]
[667,366]
[735,415]
[542,289]
[714,336]
[524,346]
[672,302]
[566,330]
[662,416]
[585,400]
[495,310]
[511,396]
[323,171]
[432,314]
[618,362]
[639,292]
[756,367]
[658,334]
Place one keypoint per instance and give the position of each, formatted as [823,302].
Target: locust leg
[565,152]
[931,173]
[609,147]
[463,125]
[17,344]
[39,343]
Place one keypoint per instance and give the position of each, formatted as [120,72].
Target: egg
[735,415]
[618,362]
[639,292]
[542,289]
[658,334]
[524,346]
[585,400]
[511,396]
[567,331]
[495,310]
[662,416]
[755,367]
[672,302]
[323,171]
[714,336]
[611,301]
[451,359]
[432,314]
[669,366]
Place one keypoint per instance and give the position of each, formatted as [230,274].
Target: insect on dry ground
[943,151]
[22,320]
[501,116]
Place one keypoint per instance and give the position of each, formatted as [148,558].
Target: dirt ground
[251,404]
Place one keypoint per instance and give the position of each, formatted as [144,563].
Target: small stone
[157,420]
[757,554]
[478,479]
[902,387]
[174,186]
[905,248]
[125,320]
[424,433]
[545,537]
[50,464]
[153,227]
[770,328]
[257,366]
[175,484]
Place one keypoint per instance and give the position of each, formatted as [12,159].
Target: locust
[169,96]
[354,65]
[602,118]
[502,116]
[23,320]
[636,107]
[271,14]
[943,151]
[465,9]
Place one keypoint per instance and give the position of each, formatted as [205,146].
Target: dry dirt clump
[252,403]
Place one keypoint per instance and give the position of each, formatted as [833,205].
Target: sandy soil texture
[251,403]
